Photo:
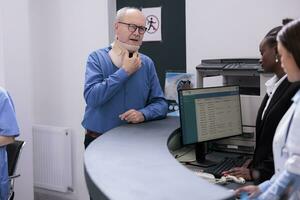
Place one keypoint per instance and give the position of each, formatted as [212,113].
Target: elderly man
[121,84]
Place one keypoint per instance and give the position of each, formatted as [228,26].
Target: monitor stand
[201,151]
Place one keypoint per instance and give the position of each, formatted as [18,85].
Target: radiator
[52,160]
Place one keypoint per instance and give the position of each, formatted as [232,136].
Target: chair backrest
[13,153]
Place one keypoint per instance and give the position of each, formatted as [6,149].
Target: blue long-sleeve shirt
[8,127]
[109,91]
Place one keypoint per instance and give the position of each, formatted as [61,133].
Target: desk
[133,162]
[186,155]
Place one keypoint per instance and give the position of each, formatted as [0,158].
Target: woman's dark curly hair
[272,34]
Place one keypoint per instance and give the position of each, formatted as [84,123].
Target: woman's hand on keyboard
[239,172]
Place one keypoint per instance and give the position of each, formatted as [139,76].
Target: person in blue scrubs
[285,183]
[121,84]
[8,131]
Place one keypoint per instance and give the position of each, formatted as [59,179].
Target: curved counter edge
[133,162]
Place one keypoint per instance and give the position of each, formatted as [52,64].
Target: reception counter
[133,162]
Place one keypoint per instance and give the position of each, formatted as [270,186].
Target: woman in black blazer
[274,105]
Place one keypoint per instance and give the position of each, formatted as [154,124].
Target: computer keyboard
[226,164]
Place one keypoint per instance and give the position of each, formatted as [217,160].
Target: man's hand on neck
[131,64]
[125,56]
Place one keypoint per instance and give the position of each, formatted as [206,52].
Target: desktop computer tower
[246,73]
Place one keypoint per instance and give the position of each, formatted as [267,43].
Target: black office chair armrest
[14,176]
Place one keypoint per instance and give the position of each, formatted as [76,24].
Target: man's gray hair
[122,12]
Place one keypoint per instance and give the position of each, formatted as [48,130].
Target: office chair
[13,154]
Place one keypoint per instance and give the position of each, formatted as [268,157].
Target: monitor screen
[210,113]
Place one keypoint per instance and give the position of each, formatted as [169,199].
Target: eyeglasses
[132,28]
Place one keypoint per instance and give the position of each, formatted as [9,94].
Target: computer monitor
[208,114]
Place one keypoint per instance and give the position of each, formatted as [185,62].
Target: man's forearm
[4,140]
[155,110]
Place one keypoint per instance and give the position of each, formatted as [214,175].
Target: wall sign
[153,24]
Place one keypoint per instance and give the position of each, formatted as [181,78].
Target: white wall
[1,46]
[43,49]
[63,35]
[231,28]
[16,75]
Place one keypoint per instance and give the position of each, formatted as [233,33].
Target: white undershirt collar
[271,86]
